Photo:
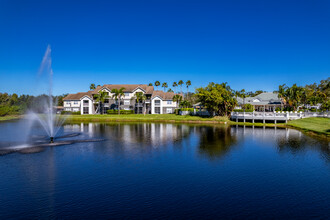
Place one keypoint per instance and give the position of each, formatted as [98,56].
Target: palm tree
[164,85]
[177,98]
[139,96]
[294,94]
[174,86]
[180,83]
[157,83]
[188,83]
[117,94]
[150,84]
[92,86]
[243,95]
[100,98]
[170,90]
[282,92]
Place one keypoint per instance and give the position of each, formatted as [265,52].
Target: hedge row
[70,113]
[124,112]
[242,110]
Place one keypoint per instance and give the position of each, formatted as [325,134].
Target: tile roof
[163,95]
[78,95]
[128,87]
[264,98]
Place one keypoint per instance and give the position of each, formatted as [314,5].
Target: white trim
[86,97]
[137,89]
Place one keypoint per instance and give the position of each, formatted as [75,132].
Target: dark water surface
[167,171]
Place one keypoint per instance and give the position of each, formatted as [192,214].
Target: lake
[150,170]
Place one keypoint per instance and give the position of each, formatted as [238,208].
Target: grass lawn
[318,125]
[145,118]
[9,117]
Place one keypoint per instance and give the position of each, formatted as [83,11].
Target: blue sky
[249,44]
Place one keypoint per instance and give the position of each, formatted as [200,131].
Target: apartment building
[155,102]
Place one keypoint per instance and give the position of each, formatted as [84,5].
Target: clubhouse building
[266,101]
[156,102]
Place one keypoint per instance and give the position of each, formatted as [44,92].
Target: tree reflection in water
[211,141]
[295,142]
[216,141]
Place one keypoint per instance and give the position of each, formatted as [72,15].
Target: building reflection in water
[287,140]
[211,141]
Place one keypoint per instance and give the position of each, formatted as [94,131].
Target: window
[169,110]
[169,102]
[126,102]
[157,110]
[85,101]
[75,103]
[106,101]
[86,110]
[157,102]
[126,94]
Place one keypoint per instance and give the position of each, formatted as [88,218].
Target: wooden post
[264,121]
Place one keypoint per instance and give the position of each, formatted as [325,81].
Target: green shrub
[288,108]
[70,113]
[248,107]
[326,106]
[10,110]
[123,112]
[242,110]
[187,109]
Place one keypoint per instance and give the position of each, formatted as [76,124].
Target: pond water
[152,170]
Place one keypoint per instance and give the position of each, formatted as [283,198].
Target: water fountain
[47,118]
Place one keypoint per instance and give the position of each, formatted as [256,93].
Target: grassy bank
[317,125]
[10,117]
[146,118]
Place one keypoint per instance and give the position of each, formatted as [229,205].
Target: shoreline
[306,125]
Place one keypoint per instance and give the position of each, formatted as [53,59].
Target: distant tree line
[14,104]
[308,95]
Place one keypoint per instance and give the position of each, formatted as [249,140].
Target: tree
[169,90]
[117,94]
[219,99]
[243,95]
[282,94]
[157,83]
[177,98]
[294,94]
[92,86]
[150,84]
[164,85]
[188,83]
[174,86]
[180,83]
[100,98]
[185,104]
[140,97]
